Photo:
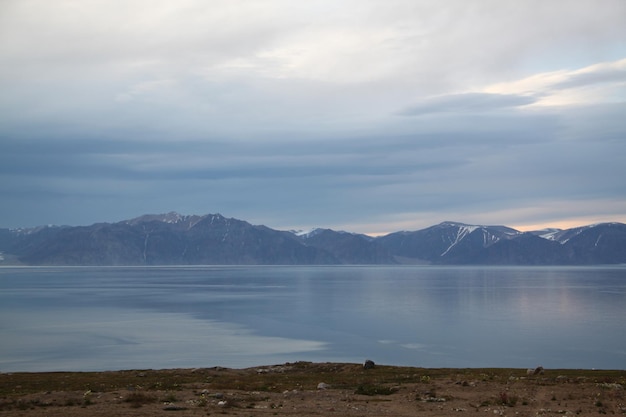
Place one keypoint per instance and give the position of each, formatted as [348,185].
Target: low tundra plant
[508,400]
[137,399]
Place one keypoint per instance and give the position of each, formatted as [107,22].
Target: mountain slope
[174,239]
[603,243]
[523,249]
[349,248]
[164,240]
[447,242]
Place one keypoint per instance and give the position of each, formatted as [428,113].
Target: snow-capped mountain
[170,218]
[174,239]
[447,242]
[348,248]
[549,233]
[305,234]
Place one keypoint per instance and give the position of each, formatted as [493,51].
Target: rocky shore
[315,389]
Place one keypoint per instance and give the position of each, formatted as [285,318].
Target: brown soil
[292,390]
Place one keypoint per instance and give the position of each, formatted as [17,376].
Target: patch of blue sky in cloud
[367,116]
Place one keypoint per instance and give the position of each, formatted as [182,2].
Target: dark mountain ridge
[174,239]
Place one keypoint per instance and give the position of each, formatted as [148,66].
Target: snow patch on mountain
[307,233]
[462,231]
[549,233]
[31,230]
[490,234]
[170,218]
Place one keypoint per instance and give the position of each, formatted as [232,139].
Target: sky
[369,116]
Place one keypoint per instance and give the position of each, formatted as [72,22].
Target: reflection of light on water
[112,339]
[413,345]
[92,319]
[557,302]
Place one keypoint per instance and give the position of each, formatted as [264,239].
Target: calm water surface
[129,318]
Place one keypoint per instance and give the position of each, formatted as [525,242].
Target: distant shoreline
[248,368]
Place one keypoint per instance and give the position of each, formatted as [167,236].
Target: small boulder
[323,385]
[369,364]
[173,407]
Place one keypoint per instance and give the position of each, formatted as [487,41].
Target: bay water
[110,318]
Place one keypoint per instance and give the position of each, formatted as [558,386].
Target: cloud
[467,102]
[145,89]
[289,113]
[606,72]
[597,83]
[542,89]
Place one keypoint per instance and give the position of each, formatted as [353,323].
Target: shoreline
[312,363]
[600,371]
[312,389]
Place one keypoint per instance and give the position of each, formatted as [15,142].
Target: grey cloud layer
[368,114]
[489,168]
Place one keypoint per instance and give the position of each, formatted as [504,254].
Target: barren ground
[292,390]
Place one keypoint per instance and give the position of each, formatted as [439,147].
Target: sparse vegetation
[283,389]
[136,399]
[508,399]
[367,389]
[169,398]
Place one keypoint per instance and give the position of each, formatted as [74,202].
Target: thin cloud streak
[468,102]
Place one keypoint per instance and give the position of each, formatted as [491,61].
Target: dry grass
[292,389]
[278,378]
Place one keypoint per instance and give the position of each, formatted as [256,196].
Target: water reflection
[111,318]
[102,339]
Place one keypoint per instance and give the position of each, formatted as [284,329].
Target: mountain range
[174,239]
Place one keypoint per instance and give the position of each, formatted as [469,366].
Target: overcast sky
[369,116]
